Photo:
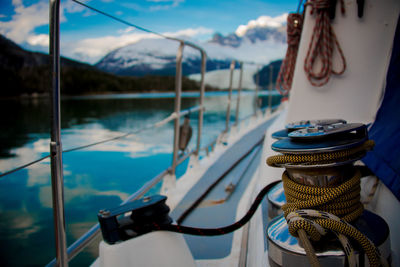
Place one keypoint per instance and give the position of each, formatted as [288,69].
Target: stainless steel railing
[257,89]
[93,232]
[178,91]
[201,103]
[64,254]
[238,94]
[57,181]
[228,109]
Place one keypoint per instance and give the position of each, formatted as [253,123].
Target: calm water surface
[95,178]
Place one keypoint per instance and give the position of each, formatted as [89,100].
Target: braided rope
[285,76]
[334,200]
[322,45]
[299,214]
[318,209]
[320,158]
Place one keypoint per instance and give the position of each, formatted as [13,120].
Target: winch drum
[284,249]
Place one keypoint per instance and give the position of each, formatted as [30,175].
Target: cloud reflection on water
[95,177]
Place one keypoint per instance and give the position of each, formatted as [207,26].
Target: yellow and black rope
[321,158]
[343,200]
[311,208]
[328,201]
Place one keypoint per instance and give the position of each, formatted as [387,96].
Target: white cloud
[92,49]
[168,4]
[72,7]
[40,40]
[190,32]
[25,20]
[127,30]
[262,21]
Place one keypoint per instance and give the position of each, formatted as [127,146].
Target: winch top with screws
[320,138]
[293,126]
[311,123]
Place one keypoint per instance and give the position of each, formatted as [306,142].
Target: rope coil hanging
[285,76]
[323,43]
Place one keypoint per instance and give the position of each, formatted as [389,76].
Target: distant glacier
[158,56]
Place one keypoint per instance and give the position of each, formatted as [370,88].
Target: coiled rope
[322,45]
[320,158]
[318,209]
[285,76]
[330,208]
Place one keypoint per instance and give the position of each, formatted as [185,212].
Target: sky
[88,36]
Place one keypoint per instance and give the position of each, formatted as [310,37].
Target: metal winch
[319,162]
[276,196]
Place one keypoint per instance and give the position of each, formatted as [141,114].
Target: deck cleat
[322,186]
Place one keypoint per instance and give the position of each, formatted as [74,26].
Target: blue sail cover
[384,159]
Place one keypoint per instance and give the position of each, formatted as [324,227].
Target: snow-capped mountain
[158,56]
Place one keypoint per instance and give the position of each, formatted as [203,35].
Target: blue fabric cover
[384,159]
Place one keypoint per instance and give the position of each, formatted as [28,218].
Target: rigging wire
[24,166]
[147,127]
[66,151]
[141,28]
[126,22]
[130,133]
[156,33]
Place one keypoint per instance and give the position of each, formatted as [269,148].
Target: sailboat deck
[213,201]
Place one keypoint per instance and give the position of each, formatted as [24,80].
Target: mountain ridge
[28,73]
[158,56]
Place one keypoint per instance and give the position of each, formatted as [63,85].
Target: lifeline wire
[124,135]
[139,27]
[125,22]
[156,125]
[68,150]
[154,32]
